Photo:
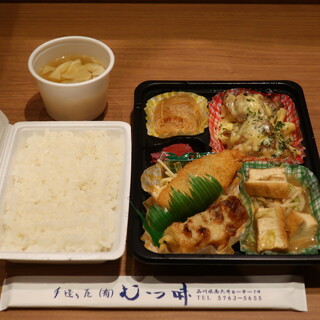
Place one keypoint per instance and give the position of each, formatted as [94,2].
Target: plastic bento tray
[144,145]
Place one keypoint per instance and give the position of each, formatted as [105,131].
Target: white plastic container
[73,101]
[10,136]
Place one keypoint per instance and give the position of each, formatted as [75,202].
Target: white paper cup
[73,101]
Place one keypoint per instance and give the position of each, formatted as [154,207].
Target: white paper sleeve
[251,292]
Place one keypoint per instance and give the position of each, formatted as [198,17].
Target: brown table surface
[164,42]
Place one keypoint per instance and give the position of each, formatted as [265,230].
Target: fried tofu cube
[302,229]
[271,229]
[268,183]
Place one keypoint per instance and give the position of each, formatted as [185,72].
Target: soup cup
[73,101]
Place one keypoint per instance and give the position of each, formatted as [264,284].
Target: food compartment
[144,145]
[285,204]
[264,126]
[178,145]
[173,114]
[34,152]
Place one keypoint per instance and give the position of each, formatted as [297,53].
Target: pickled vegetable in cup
[72,69]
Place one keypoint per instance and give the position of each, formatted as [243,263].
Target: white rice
[62,192]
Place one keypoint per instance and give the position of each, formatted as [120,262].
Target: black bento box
[143,145]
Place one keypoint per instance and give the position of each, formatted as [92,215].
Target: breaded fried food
[222,166]
[213,227]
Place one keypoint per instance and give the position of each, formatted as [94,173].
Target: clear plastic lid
[4,122]
[4,125]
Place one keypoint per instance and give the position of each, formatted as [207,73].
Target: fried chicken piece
[222,166]
[215,227]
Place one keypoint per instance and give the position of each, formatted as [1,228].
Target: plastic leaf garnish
[154,233]
[189,156]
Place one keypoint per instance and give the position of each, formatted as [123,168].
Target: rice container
[14,136]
